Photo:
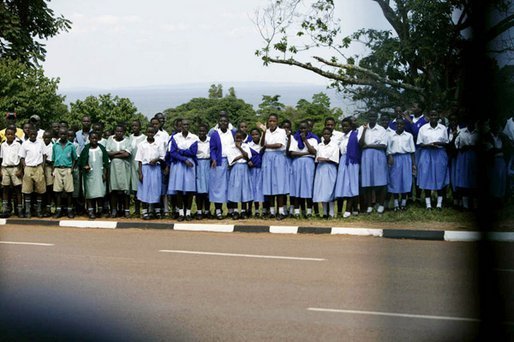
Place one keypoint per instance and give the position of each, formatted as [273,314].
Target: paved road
[171,285]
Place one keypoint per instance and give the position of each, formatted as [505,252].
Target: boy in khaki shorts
[64,156]
[32,160]
[11,171]
[49,177]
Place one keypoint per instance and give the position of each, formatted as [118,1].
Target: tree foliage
[420,59]
[23,25]
[106,109]
[28,91]
[216,91]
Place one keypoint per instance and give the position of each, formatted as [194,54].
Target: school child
[202,174]
[417,120]
[494,144]
[347,183]
[255,165]
[400,154]
[466,163]
[118,148]
[288,126]
[400,115]
[32,159]
[55,131]
[64,156]
[384,120]
[94,165]
[327,158]
[149,155]
[49,177]
[78,194]
[275,167]
[373,163]
[11,172]
[337,136]
[239,181]
[136,138]
[220,141]
[453,129]
[183,149]
[162,137]
[243,127]
[26,128]
[302,149]
[432,168]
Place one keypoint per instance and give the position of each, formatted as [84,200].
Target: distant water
[150,100]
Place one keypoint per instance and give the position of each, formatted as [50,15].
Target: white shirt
[162,137]
[203,149]
[40,133]
[375,136]
[278,136]
[233,152]
[48,151]
[185,142]
[509,129]
[337,136]
[293,147]
[227,139]
[330,151]
[147,152]
[428,135]
[135,141]
[256,147]
[9,153]
[466,138]
[343,145]
[32,152]
[400,143]
[93,154]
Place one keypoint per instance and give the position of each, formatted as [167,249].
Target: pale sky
[122,43]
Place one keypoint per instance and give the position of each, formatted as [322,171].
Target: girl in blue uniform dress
[432,165]
[466,163]
[183,148]
[255,165]
[347,184]
[239,180]
[327,158]
[202,174]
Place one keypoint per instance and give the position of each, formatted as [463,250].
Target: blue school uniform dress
[302,168]
[275,169]
[400,147]
[347,184]
[218,176]
[373,161]
[163,138]
[466,161]
[417,123]
[182,177]
[432,166]
[326,172]
[256,171]
[149,190]
[203,166]
[497,170]
[239,179]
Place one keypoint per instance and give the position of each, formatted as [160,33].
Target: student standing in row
[202,174]
[327,158]
[136,138]
[119,150]
[239,181]
[64,156]
[11,172]
[255,165]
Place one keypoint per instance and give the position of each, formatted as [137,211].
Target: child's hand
[189,163]
[140,176]
[261,126]
[87,168]
[390,160]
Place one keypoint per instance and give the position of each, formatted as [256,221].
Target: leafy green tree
[28,91]
[104,108]
[24,24]
[270,105]
[216,91]
[422,58]
[318,110]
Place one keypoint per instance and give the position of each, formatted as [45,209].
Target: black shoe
[243,216]
[91,215]
[235,215]
[325,217]
[180,218]
[189,218]
[280,217]
[71,214]
[114,214]
[219,217]
[175,215]
[308,216]
[127,214]
[403,208]
[146,217]
[158,216]
[58,214]
[257,216]
[199,216]
[28,214]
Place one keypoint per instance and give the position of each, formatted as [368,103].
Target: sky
[126,43]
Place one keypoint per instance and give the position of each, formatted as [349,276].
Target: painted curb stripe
[414,234]
[251,229]
[3,221]
[144,225]
[30,222]
[204,227]
[358,231]
[462,236]
[314,230]
[27,243]
[283,229]
[259,256]
[88,224]
[500,236]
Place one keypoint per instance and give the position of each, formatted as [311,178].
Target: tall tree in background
[420,59]
[216,91]
[23,25]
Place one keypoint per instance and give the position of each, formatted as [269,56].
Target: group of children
[251,171]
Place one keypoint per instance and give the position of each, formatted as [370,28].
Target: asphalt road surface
[88,284]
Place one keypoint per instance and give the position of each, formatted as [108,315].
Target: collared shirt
[64,156]
[256,147]
[185,142]
[466,138]
[48,150]
[330,151]
[293,147]
[278,136]
[337,136]
[135,141]
[227,139]
[147,152]
[19,133]
[9,153]
[32,152]
[428,135]
[203,149]
[162,137]
[400,143]
[233,152]
[82,137]
[375,136]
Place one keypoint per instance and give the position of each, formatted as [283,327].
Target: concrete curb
[415,234]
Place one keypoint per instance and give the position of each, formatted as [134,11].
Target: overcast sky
[121,43]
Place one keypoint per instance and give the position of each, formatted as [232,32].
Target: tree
[317,110]
[270,105]
[420,59]
[216,91]
[23,25]
[106,109]
[28,91]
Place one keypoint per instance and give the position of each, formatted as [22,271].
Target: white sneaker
[370,210]
[346,214]
[380,209]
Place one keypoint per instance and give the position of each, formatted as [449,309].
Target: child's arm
[140,171]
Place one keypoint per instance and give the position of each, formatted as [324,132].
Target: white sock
[325,208]
[297,211]
[281,211]
[188,212]
[439,201]
[395,202]
[331,206]
[428,202]
[218,211]
[272,210]
[404,202]
[291,208]
[309,211]
[231,210]
[380,209]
